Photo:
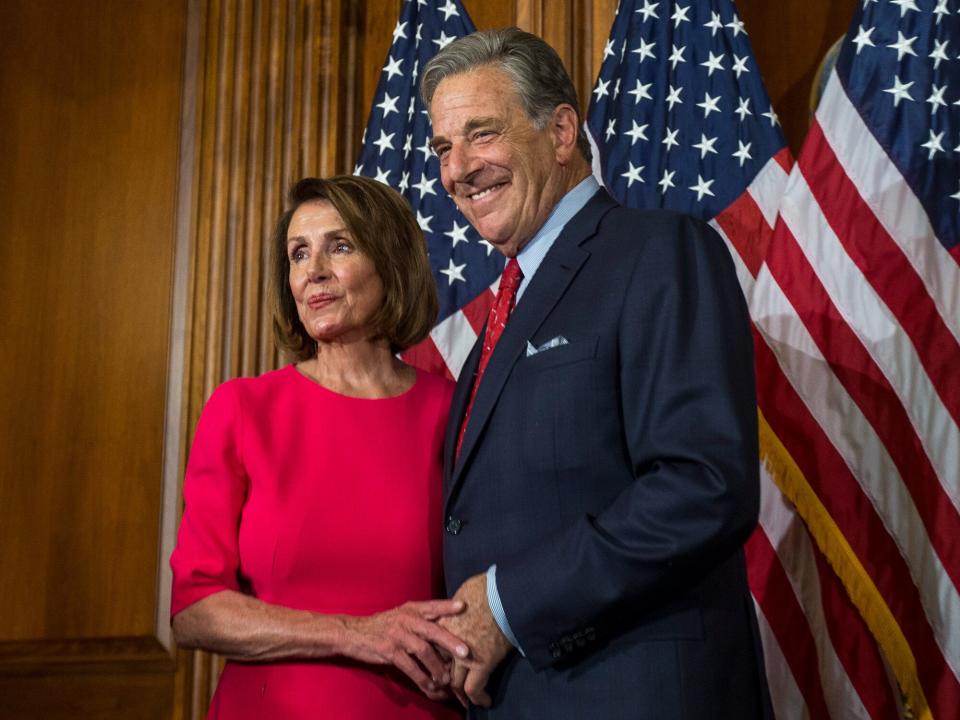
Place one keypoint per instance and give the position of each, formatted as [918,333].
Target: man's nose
[462,162]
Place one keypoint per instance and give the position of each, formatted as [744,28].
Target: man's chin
[495,235]
[507,248]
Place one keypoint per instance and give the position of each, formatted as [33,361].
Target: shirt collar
[534,251]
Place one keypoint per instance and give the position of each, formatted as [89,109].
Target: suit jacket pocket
[574,351]
[558,387]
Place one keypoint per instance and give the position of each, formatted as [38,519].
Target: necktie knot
[511,278]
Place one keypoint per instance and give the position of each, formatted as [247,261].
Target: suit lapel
[554,275]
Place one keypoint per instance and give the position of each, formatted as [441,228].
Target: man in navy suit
[601,459]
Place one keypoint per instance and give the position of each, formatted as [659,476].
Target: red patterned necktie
[496,322]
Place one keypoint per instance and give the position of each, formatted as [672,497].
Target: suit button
[454,525]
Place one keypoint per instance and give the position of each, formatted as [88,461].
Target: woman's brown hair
[385,230]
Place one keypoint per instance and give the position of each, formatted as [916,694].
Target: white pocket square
[548,345]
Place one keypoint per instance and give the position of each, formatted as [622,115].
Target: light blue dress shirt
[529,259]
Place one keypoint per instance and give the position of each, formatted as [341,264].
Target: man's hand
[488,645]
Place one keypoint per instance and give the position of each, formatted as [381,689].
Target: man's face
[501,171]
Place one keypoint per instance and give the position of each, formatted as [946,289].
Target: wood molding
[86,655]
[268,98]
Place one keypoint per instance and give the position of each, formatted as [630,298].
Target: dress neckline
[292,367]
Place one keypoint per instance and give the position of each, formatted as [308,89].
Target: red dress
[313,500]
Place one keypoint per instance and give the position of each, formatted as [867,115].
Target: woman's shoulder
[252,388]
[435,384]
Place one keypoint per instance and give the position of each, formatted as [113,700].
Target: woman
[310,542]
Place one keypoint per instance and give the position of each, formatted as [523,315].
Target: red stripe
[424,355]
[747,229]
[784,159]
[884,264]
[855,646]
[772,589]
[870,390]
[857,519]
[476,310]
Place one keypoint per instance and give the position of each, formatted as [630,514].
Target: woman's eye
[342,247]
[297,255]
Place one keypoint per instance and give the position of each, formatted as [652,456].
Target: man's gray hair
[538,75]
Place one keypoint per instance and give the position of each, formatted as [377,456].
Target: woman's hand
[408,638]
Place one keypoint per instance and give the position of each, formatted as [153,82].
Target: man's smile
[480,195]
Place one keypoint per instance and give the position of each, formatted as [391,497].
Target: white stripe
[454,338]
[788,535]
[788,702]
[767,190]
[595,152]
[876,327]
[893,202]
[853,437]
[743,272]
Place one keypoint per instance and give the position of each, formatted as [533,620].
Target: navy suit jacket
[613,479]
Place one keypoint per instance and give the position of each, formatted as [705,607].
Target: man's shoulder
[632,230]
[650,219]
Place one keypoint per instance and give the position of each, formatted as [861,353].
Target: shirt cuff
[496,608]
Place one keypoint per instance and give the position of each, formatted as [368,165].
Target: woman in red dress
[309,548]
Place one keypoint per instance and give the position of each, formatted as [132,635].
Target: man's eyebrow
[471,125]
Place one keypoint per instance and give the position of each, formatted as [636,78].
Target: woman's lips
[316,302]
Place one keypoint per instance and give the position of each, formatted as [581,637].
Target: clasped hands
[438,644]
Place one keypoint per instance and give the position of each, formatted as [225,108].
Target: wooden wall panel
[272,96]
[85,264]
[489,14]
[374,35]
[789,40]
[90,98]
[110,696]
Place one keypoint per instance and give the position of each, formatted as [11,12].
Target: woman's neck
[365,369]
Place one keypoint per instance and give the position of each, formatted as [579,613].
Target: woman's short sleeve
[206,558]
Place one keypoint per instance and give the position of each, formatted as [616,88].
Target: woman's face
[336,287]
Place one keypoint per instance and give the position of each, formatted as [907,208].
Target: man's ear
[564,126]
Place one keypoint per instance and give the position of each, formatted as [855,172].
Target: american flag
[679,114]
[396,151]
[857,309]
[680,119]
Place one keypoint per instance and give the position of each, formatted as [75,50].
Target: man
[601,459]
